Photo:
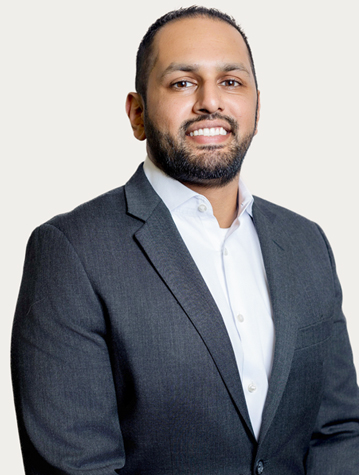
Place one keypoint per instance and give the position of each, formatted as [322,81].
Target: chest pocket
[313,334]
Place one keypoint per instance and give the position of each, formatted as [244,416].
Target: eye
[182,84]
[231,83]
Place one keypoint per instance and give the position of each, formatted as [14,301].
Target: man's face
[201,108]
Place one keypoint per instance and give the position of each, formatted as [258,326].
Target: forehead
[198,40]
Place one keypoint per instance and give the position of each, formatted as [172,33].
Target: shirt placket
[252,371]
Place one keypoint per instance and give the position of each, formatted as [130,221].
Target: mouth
[209,132]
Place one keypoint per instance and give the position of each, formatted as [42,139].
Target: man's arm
[63,385]
[334,448]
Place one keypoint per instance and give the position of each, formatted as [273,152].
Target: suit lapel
[275,249]
[160,240]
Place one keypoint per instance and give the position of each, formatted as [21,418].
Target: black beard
[211,168]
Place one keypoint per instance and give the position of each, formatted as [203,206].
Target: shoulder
[108,221]
[98,225]
[105,212]
[282,216]
[116,209]
[291,227]
[94,213]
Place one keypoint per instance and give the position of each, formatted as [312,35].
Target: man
[176,325]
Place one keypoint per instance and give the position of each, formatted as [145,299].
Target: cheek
[244,112]
[169,116]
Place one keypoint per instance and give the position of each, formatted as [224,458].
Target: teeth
[213,131]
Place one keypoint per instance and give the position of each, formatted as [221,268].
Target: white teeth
[213,131]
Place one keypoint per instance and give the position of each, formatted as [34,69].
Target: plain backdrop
[66,67]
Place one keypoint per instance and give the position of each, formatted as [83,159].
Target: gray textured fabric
[122,364]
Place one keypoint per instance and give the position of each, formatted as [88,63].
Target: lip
[208,124]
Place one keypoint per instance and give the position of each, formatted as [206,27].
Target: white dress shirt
[231,263]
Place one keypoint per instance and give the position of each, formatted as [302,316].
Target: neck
[224,200]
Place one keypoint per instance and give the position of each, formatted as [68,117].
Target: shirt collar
[175,194]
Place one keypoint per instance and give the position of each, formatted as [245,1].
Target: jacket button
[260,467]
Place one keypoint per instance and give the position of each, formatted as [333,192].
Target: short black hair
[144,53]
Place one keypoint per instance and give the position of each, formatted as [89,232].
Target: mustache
[214,116]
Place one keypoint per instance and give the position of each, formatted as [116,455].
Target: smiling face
[201,106]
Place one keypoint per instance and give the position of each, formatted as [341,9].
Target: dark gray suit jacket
[122,363]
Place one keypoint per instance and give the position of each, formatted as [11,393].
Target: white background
[66,67]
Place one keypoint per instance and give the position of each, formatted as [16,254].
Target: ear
[135,112]
[258,111]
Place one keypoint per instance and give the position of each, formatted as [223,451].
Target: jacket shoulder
[93,213]
[279,214]
[136,199]
[290,226]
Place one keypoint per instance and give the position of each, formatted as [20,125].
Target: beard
[209,165]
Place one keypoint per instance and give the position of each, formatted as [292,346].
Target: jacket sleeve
[334,448]
[63,386]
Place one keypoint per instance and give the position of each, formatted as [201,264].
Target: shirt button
[202,208]
[225,251]
[252,387]
[240,318]
[260,467]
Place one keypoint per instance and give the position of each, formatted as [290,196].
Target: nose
[208,100]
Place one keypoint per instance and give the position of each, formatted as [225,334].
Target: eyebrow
[194,68]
